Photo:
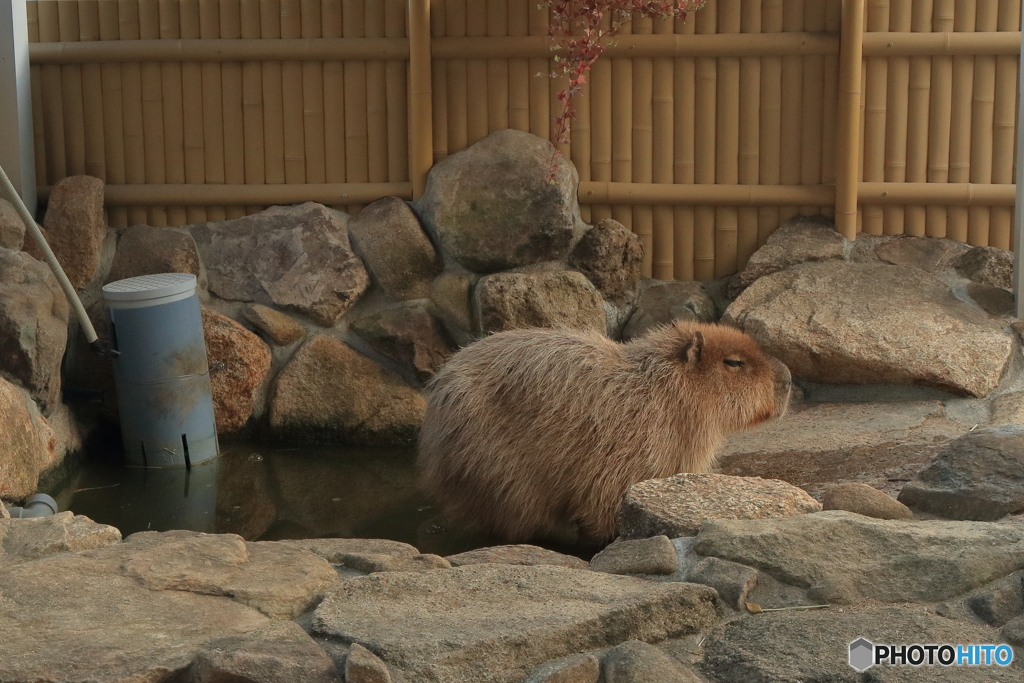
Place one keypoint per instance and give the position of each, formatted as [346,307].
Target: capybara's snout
[783,386]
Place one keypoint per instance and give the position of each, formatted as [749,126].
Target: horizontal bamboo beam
[880,44]
[944,194]
[258,195]
[219,50]
[594,192]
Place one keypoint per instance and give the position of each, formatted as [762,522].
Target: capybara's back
[529,431]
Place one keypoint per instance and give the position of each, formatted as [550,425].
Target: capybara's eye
[732,363]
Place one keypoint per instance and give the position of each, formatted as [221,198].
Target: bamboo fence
[892,116]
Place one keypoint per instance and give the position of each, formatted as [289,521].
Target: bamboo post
[920,81]
[17,139]
[497,69]
[92,91]
[192,105]
[833,24]
[540,70]
[600,130]
[313,119]
[476,74]
[213,108]
[684,79]
[231,79]
[174,125]
[20,56]
[939,119]
[53,104]
[876,87]
[622,130]
[662,267]
[813,104]
[439,82]
[71,87]
[334,99]
[793,122]
[960,121]
[848,142]
[749,134]
[273,97]
[152,110]
[113,120]
[642,143]
[356,132]
[1003,126]
[897,107]
[770,158]
[252,103]
[704,146]
[131,84]
[458,75]
[397,96]
[519,69]
[982,117]
[294,104]
[376,100]
[421,146]
[727,136]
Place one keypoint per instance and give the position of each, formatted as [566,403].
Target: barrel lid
[149,287]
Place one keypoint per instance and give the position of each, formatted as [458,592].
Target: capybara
[537,432]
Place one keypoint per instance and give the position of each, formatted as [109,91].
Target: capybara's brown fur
[530,432]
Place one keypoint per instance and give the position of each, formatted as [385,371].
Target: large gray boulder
[330,391]
[978,476]
[868,322]
[800,239]
[561,298]
[408,334]
[145,250]
[842,557]
[491,208]
[611,257]
[663,303]
[33,326]
[74,227]
[493,623]
[295,257]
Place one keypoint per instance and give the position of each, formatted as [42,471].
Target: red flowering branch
[580,29]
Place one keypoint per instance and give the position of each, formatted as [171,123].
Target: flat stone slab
[842,557]
[496,623]
[522,553]
[678,505]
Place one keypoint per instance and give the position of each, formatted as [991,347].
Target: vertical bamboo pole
[1003,126]
[939,119]
[376,101]
[580,142]
[642,143]
[497,69]
[684,79]
[171,95]
[334,98]
[421,146]
[294,101]
[113,121]
[213,108]
[71,87]
[749,134]
[439,82]
[600,130]
[830,108]
[897,107]
[252,103]
[847,171]
[397,96]
[53,99]
[540,70]
[36,78]
[273,97]
[622,130]
[92,92]
[960,127]
[519,69]
[876,75]
[131,84]
[770,159]
[982,113]
[727,136]
[920,81]
[356,143]
[705,118]
[192,106]
[313,97]
[458,96]
[793,120]
[231,78]
[476,74]
[152,110]
[661,157]
[813,106]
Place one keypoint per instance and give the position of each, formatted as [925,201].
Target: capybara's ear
[692,347]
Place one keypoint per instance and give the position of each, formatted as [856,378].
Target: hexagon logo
[862,654]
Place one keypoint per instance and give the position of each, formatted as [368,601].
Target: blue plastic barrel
[162,374]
